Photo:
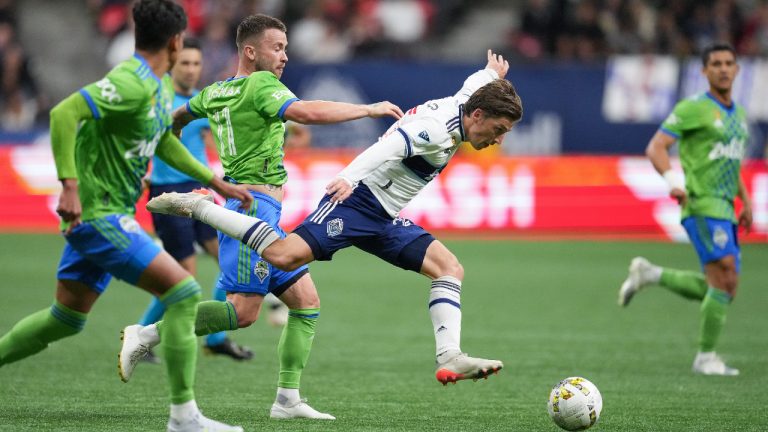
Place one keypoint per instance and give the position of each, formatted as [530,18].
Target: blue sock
[154,312]
[217,338]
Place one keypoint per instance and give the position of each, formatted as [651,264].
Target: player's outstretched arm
[658,153]
[497,63]
[65,118]
[325,112]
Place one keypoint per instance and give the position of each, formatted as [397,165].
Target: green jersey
[246,118]
[712,140]
[131,110]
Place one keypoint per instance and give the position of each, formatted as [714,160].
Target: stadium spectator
[20,100]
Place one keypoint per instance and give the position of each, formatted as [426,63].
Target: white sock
[149,335]
[185,411]
[250,230]
[445,312]
[654,274]
[287,396]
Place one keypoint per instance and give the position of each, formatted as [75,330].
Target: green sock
[212,317]
[33,333]
[295,345]
[688,284]
[713,311]
[179,341]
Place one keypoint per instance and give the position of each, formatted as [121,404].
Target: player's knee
[286,261]
[452,267]
[247,317]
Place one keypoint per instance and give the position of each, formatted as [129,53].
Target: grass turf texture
[548,310]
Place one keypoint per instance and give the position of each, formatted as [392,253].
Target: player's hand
[745,217]
[679,195]
[229,190]
[339,189]
[384,109]
[497,63]
[69,208]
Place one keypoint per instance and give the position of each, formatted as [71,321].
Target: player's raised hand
[384,109]
[339,189]
[497,63]
[229,190]
[69,207]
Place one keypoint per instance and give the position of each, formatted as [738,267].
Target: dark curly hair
[255,25]
[157,21]
[498,98]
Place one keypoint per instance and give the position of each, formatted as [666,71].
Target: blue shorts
[98,249]
[362,222]
[713,239]
[242,269]
[177,233]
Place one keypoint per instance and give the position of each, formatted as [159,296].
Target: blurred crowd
[340,30]
[20,99]
[588,30]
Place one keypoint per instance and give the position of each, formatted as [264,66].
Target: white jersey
[416,148]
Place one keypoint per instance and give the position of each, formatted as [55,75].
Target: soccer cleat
[709,363]
[151,358]
[200,423]
[639,277]
[461,367]
[178,204]
[132,351]
[298,410]
[231,349]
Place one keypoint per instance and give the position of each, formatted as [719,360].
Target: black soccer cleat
[231,349]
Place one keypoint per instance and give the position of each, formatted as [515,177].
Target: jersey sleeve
[270,96]
[474,82]
[425,136]
[195,105]
[116,94]
[683,118]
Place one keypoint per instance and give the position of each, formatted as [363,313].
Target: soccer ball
[575,404]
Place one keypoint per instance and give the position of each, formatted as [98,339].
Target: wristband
[674,180]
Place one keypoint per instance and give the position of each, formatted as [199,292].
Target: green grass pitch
[547,309]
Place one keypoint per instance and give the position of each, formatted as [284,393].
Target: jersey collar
[144,64]
[727,109]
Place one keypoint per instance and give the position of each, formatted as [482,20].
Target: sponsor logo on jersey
[733,150]
[334,227]
[720,237]
[128,224]
[424,135]
[109,91]
[261,270]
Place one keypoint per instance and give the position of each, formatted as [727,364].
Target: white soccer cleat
[132,351]
[640,270]
[709,363]
[298,410]
[461,367]
[179,204]
[200,423]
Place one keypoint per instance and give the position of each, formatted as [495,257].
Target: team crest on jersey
[334,227]
[129,224]
[424,135]
[720,237]
[261,270]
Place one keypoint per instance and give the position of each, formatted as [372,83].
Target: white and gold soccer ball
[575,404]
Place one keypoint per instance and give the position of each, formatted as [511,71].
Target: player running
[103,138]
[712,131]
[362,204]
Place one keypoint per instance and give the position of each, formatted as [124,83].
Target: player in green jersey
[247,114]
[712,131]
[124,119]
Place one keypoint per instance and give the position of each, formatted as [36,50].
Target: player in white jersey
[362,204]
